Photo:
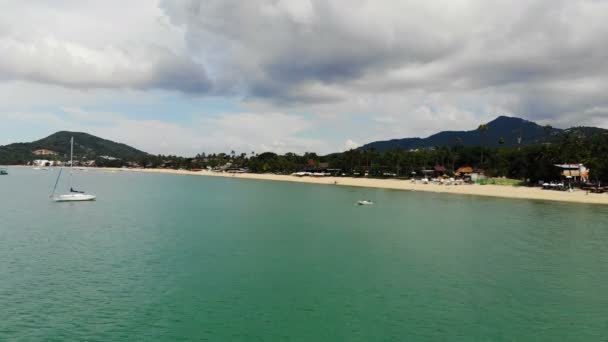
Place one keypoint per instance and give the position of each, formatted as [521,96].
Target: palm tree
[458,143]
[483,130]
[548,129]
[399,159]
[520,133]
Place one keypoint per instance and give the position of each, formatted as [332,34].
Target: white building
[574,171]
[43,162]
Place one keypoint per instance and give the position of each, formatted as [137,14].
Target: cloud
[242,132]
[309,51]
[277,132]
[349,145]
[304,74]
[79,47]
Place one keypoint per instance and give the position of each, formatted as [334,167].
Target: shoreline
[499,191]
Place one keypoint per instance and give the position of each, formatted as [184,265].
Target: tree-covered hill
[86,147]
[503,131]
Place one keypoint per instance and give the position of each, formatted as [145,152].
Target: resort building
[236,170]
[464,170]
[575,172]
[43,162]
[468,173]
[43,152]
[440,170]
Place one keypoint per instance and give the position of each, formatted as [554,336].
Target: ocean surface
[186,258]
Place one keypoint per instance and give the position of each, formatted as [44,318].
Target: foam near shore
[519,192]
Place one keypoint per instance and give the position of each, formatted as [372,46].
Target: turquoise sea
[187,258]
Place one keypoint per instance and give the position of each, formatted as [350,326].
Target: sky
[190,76]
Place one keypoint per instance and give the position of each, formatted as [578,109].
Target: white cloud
[350,144]
[84,45]
[306,74]
[277,132]
[242,132]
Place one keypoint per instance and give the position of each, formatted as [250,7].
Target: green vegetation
[529,163]
[500,181]
[526,163]
[501,132]
[86,147]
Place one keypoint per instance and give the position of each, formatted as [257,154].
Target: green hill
[86,147]
[502,132]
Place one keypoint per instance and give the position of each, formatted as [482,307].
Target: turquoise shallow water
[185,258]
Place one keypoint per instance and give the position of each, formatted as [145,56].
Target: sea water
[188,258]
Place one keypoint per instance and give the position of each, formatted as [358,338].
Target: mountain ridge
[504,131]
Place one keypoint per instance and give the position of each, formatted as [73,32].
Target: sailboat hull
[74,198]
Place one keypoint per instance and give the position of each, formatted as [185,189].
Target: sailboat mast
[71,161]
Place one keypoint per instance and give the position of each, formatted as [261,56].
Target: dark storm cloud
[181,74]
[543,55]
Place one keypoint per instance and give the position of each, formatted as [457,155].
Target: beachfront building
[43,162]
[437,171]
[134,165]
[428,173]
[576,172]
[44,152]
[469,174]
[235,170]
[317,170]
[440,170]
[464,170]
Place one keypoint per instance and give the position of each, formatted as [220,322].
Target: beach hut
[428,173]
[439,170]
[469,174]
[576,172]
[464,170]
[42,163]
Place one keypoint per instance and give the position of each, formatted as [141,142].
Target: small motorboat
[365,202]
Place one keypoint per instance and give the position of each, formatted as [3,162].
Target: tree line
[531,163]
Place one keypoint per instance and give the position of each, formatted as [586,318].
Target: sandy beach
[518,192]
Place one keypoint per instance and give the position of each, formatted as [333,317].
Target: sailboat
[74,195]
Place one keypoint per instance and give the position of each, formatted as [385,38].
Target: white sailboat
[74,195]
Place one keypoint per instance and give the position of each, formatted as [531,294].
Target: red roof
[465,169]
